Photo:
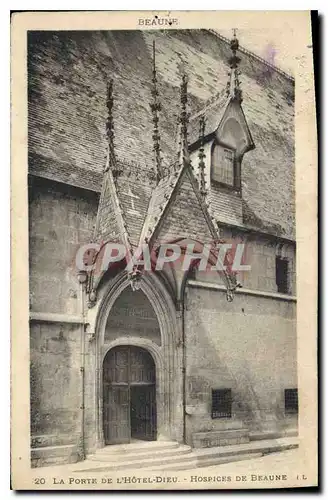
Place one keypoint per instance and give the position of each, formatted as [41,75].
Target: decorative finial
[184,119]
[233,86]
[201,157]
[233,285]
[110,125]
[155,107]
[135,278]
[110,135]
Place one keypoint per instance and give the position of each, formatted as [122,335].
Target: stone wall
[248,345]
[56,389]
[61,218]
[260,254]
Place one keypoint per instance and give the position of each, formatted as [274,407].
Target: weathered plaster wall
[262,259]
[60,220]
[56,383]
[248,345]
[260,254]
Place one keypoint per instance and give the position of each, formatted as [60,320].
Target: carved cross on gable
[132,197]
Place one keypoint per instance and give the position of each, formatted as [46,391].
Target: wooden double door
[129,399]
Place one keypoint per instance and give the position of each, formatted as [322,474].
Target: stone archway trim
[167,357]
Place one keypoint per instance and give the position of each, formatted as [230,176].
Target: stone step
[157,458]
[140,447]
[206,457]
[139,454]
[189,464]
[267,435]
[263,447]
[194,463]
[182,457]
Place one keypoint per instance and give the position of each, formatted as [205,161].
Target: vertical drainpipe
[82,279]
[183,366]
[181,304]
[181,315]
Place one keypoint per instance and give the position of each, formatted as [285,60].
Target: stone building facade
[159,355]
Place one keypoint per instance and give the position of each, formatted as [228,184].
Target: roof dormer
[220,136]
[230,141]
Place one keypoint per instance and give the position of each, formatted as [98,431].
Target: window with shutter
[223,165]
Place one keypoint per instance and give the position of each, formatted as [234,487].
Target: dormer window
[223,166]
[221,133]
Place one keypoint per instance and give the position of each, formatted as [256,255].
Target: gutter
[184,363]
[81,445]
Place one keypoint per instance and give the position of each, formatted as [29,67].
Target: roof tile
[68,72]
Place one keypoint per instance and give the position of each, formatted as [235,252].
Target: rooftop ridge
[253,55]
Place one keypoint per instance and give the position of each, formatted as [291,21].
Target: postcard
[164,251]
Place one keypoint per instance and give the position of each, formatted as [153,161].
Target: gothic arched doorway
[129,395]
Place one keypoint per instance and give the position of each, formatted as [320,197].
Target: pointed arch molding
[167,357]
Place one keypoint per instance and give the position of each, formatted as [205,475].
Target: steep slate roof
[164,198]
[158,202]
[134,195]
[213,111]
[63,172]
[185,215]
[123,206]
[109,224]
[68,72]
